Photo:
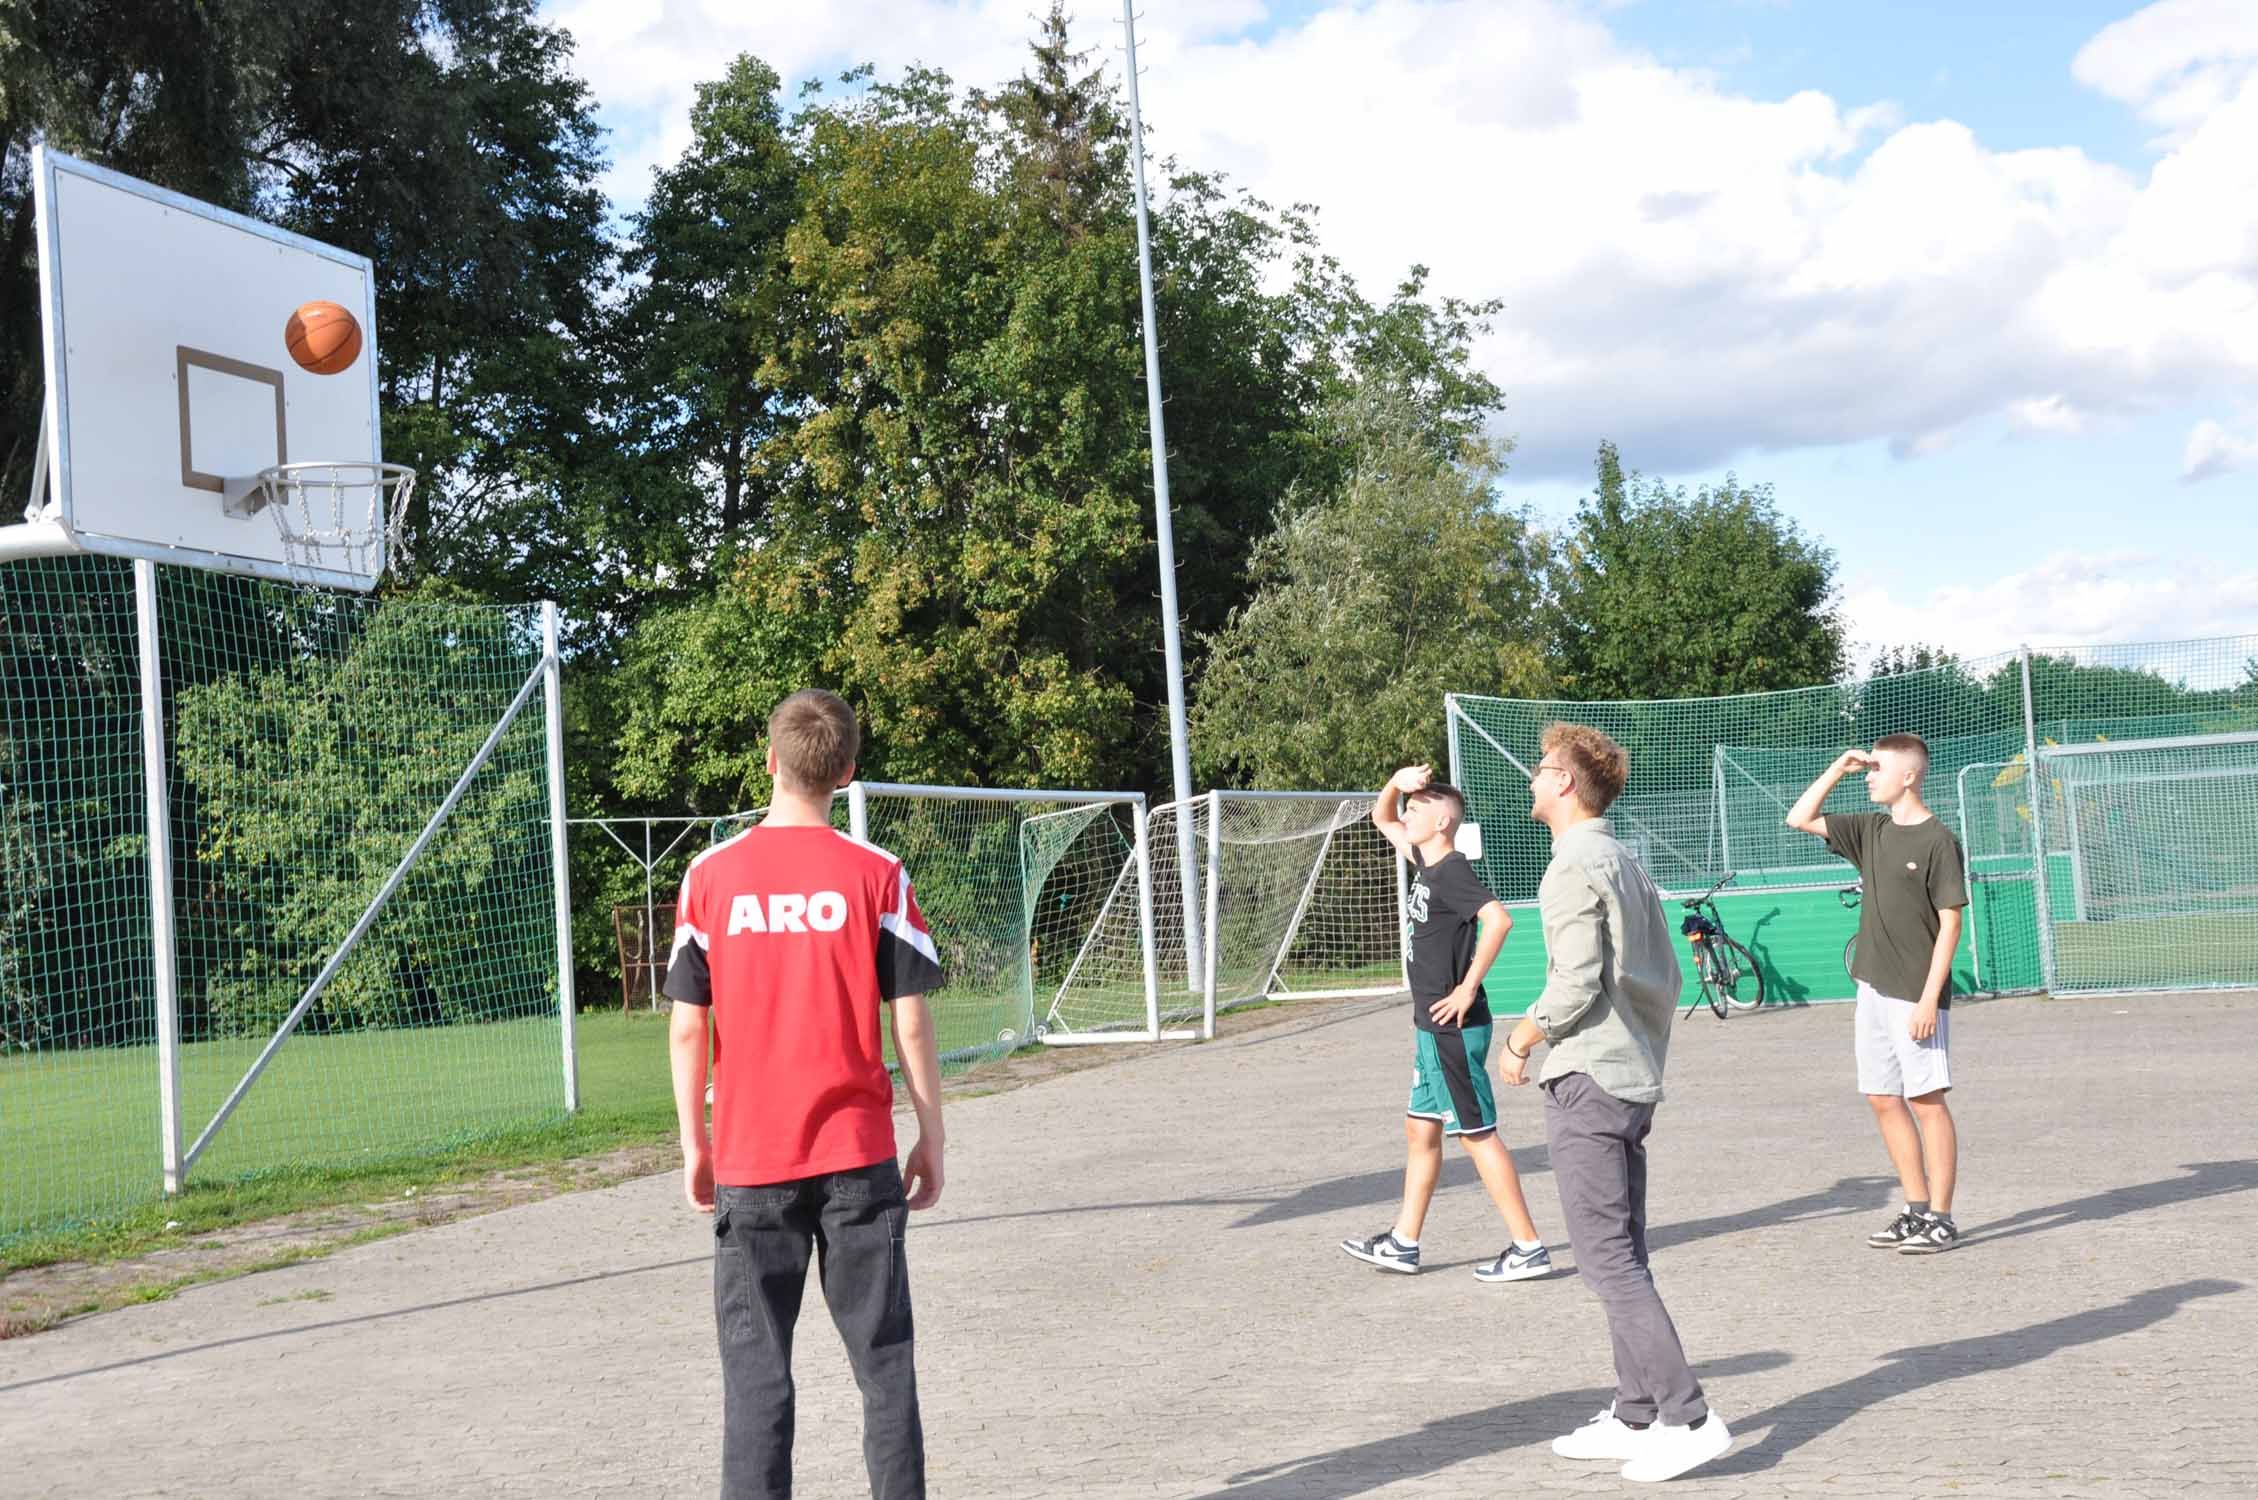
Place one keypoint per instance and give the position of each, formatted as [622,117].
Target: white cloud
[2212,450]
[2070,599]
[1695,273]
[2176,61]
[2046,416]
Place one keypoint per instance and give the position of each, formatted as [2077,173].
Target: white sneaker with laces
[1601,1437]
[1664,1452]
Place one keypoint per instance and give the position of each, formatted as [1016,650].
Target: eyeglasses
[1546,765]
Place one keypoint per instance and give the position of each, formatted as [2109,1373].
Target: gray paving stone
[1132,1289]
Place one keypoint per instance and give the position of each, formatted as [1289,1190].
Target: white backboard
[168,375]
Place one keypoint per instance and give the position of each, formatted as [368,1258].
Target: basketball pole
[157,812]
[1179,745]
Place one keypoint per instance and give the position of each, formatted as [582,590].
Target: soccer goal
[1040,900]
[1302,899]
[2158,840]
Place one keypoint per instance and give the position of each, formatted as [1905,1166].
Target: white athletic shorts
[1889,1060]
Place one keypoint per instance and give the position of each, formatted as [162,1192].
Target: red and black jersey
[795,936]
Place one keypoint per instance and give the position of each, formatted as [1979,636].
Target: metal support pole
[1143,850]
[157,809]
[1212,898]
[560,877]
[2033,775]
[1179,745]
[858,811]
[369,914]
[1403,908]
[650,918]
[1724,822]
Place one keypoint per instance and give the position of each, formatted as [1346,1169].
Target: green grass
[2148,952]
[78,1131]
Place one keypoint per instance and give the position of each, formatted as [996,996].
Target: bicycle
[1726,972]
[1849,896]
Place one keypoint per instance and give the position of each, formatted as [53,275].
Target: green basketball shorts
[1450,1080]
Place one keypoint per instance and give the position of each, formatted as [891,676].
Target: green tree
[1665,594]
[700,329]
[1369,607]
[445,139]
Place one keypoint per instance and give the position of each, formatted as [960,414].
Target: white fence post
[560,879]
[2033,776]
[157,804]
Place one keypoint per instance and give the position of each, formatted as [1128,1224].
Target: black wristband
[1524,1056]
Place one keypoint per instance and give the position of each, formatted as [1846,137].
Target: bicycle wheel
[1705,974]
[1733,971]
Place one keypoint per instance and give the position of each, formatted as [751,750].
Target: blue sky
[1974,288]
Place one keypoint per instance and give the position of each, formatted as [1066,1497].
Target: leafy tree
[1663,594]
[1369,607]
[700,329]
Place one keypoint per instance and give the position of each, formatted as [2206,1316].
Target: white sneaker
[1601,1437]
[1665,1452]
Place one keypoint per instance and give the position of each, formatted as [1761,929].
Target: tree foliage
[1368,608]
[1665,594]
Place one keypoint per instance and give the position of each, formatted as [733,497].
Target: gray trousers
[1598,1145]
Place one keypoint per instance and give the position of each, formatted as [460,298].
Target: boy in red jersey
[788,938]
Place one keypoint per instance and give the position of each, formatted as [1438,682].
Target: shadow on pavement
[1437,1445]
[2206,1179]
[1922,1367]
[1849,1195]
[375,1317]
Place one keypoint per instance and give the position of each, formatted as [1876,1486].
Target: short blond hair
[816,739]
[1599,765]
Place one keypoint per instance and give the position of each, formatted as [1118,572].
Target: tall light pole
[1179,743]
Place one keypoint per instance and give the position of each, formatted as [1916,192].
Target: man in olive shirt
[1908,927]
[1611,989]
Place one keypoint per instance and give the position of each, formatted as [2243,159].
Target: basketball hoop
[337,517]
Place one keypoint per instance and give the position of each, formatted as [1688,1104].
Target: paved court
[1131,1289]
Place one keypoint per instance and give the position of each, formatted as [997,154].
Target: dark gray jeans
[1598,1145]
[853,1222]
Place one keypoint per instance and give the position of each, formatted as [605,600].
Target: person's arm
[687,1048]
[1496,922]
[1805,817]
[1387,814]
[1923,1025]
[1575,920]
[920,1057]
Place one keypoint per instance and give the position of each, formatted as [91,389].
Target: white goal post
[1303,899]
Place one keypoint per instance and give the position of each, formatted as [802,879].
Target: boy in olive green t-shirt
[1908,926]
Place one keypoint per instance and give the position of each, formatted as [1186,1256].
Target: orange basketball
[323,337]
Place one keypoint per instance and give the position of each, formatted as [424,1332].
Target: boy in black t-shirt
[1456,928]
[1908,927]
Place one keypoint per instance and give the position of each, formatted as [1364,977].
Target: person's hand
[1853,760]
[921,1174]
[1411,778]
[1452,1008]
[697,1177]
[1924,1022]
[1513,1068]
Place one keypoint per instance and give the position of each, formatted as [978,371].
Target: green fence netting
[2137,837]
[308,738]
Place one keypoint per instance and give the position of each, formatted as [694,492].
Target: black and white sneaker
[1936,1235]
[1898,1232]
[1385,1251]
[1516,1265]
